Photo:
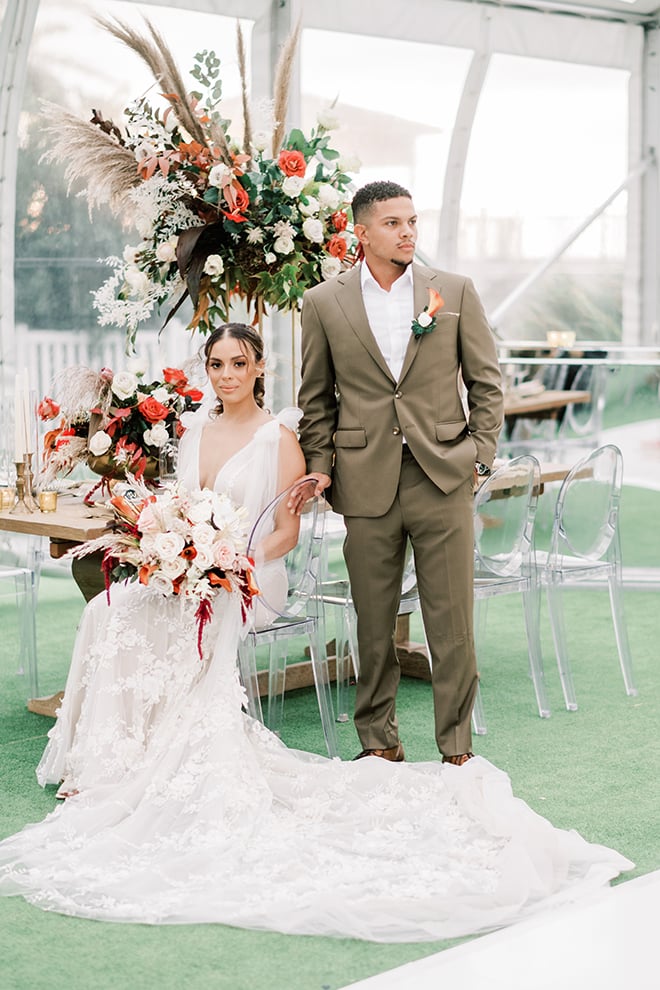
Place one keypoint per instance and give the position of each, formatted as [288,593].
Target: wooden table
[72,522]
[547,404]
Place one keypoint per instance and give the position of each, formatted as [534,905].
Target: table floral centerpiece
[116,423]
[262,218]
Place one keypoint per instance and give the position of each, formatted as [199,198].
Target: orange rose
[153,410]
[337,247]
[174,376]
[47,409]
[339,220]
[194,394]
[292,163]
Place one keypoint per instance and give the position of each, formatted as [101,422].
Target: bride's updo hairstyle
[250,343]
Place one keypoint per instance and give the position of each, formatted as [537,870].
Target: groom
[383,346]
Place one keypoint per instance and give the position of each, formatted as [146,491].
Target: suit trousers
[441,530]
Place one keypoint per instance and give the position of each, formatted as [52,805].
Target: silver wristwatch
[482,469]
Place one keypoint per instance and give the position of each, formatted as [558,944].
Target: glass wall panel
[396,101]
[549,145]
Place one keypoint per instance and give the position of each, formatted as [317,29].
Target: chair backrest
[303,561]
[504,510]
[586,513]
[586,418]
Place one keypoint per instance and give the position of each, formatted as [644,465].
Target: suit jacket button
[396,431]
[397,395]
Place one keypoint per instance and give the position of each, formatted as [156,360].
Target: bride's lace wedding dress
[189,811]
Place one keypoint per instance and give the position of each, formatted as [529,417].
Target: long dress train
[190,811]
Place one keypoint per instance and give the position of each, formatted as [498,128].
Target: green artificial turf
[595,770]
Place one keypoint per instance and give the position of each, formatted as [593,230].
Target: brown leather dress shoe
[458,760]
[394,754]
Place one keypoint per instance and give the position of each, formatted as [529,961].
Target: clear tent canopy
[526,133]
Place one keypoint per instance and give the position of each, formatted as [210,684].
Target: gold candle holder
[7,498]
[25,504]
[47,501]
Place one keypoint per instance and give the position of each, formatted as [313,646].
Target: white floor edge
[607,941]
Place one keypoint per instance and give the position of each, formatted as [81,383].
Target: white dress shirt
[390,315]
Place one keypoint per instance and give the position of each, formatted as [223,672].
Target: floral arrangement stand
[261,218]
[116,423]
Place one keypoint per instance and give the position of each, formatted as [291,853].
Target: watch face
[483,470]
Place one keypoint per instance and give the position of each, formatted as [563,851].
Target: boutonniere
[425,322]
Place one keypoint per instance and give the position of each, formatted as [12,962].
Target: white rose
[330,266]
[348,163]
[214,265]
[161,394]
[284,245]
[156,436]
[313,230]
[202,534]
[224,555]
[161,583]
[138,365]
[293,185]
[166,252]
[220,175]
[270,258]
[168,545]
[200,512]
[129,254]
[204,559]
[260,141]
[137,281]
[424,319]
[172,568]
[327,119]
[309,208]
[100,443]
[328,196]
[124,384]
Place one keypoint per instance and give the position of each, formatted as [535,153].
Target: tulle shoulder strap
[289,417]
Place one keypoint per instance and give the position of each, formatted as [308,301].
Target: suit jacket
[354,412]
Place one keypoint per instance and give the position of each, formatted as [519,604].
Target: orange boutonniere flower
[425,322]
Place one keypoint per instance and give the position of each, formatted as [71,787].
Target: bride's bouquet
[177,542]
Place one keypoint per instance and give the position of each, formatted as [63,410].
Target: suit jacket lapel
[349,297]
[423,280]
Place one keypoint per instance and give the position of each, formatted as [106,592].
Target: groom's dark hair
[375,192]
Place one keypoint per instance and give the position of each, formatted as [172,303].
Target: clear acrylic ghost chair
[585,549]
[504,559]
[301,615]
[18,592]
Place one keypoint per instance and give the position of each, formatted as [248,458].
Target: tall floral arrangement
[261,218]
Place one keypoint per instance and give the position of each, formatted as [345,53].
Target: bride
[183,809]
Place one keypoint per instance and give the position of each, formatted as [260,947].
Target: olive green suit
[354,416]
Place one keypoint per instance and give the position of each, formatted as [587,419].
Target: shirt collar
[366,278]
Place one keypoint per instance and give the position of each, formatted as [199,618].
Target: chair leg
[322,684]
[478,716]
[343,660]
[532,609]
[621,633]
[277,658]
[247,663]
[24,582]
[557,624]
